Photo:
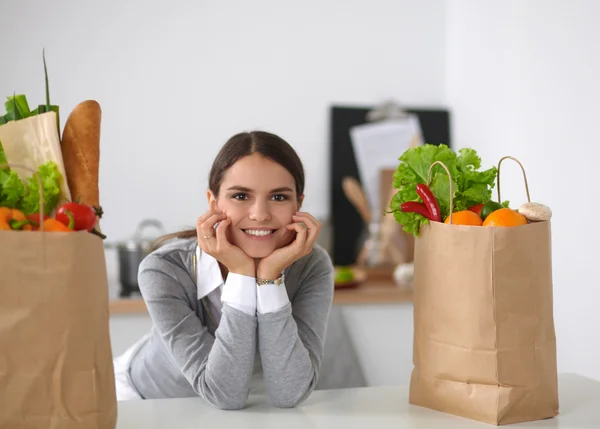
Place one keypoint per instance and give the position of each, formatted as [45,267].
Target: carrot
[81,153]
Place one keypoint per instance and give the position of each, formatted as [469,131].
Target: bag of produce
[484,337]
[56,367]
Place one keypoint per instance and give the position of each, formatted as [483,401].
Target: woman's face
[259,196]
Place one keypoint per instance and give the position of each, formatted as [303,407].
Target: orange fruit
[465,217]
[505,217]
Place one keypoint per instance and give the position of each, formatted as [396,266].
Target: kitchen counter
[377,289]
[379,407]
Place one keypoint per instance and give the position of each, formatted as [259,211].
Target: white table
[370,407]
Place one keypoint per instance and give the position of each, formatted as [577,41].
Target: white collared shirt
[239,291]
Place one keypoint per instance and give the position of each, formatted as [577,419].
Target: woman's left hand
[307,230]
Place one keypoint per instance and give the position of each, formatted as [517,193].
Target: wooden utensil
[355,194]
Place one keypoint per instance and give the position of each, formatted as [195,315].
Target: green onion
[18,108]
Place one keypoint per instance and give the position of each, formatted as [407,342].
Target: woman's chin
[257,251]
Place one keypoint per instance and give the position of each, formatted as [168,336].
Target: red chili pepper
[415,207]
[430,202]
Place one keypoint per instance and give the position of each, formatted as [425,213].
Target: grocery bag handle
[524,177]
[40,189]
[449,179]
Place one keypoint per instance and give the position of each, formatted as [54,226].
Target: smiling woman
[241,303]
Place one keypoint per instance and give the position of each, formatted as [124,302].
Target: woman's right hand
[214,242]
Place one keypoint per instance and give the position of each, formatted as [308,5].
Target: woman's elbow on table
[288,402]
[221,399]
[231,403]
[291,398]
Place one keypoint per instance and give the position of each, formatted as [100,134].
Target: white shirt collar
[209,275]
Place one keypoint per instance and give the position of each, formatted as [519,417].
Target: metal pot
[131,253]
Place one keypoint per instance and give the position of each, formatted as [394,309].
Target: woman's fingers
[210,212]
[220,231]
[301,232]
[206,231]
[310,221]
[312,224]
[202,219]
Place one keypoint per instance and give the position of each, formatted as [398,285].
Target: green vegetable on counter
[344,274]
[470,185]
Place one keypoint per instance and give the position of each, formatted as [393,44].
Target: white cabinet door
[126,329]
[383,338]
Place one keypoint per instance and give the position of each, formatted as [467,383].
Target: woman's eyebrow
[282,189]
[273,191]
[239,188]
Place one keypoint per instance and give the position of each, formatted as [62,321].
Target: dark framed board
[347,225]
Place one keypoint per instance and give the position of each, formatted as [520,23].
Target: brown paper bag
[56,369]
[484,338]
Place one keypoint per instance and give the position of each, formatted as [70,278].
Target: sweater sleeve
[218,368]
[291,339]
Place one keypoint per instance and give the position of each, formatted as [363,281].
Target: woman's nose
[260,212]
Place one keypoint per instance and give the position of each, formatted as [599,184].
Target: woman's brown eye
[280,197]
[239,196]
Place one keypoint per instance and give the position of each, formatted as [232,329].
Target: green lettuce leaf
[411,222]
[11,186]
[420,159]
[440,186]
[3,159]
[15,193]
[12,189]
[51,177]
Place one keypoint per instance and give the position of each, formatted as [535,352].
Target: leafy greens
[24,195]
[470,185]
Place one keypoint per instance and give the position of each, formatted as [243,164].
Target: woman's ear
[210,196]
[300,200]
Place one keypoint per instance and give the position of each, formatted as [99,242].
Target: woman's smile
[255,233]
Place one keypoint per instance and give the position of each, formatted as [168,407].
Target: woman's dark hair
[266,144]
[237,147]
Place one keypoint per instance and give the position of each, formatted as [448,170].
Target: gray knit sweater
[186,356]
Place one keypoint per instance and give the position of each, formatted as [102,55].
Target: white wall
[522,80]
[176,79]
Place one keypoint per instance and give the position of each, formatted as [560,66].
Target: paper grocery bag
[484,337]
[56,369]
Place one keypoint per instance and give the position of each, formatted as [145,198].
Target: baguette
[81,153]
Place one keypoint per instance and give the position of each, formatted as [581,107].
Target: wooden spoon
[355,194]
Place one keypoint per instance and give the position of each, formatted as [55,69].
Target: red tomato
[476,209]
[83,215]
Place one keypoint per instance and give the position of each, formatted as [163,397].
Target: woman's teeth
[259,232]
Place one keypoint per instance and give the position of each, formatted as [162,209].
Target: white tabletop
[369,407]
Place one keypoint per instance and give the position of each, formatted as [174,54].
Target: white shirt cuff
[239,292]
[271,297]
